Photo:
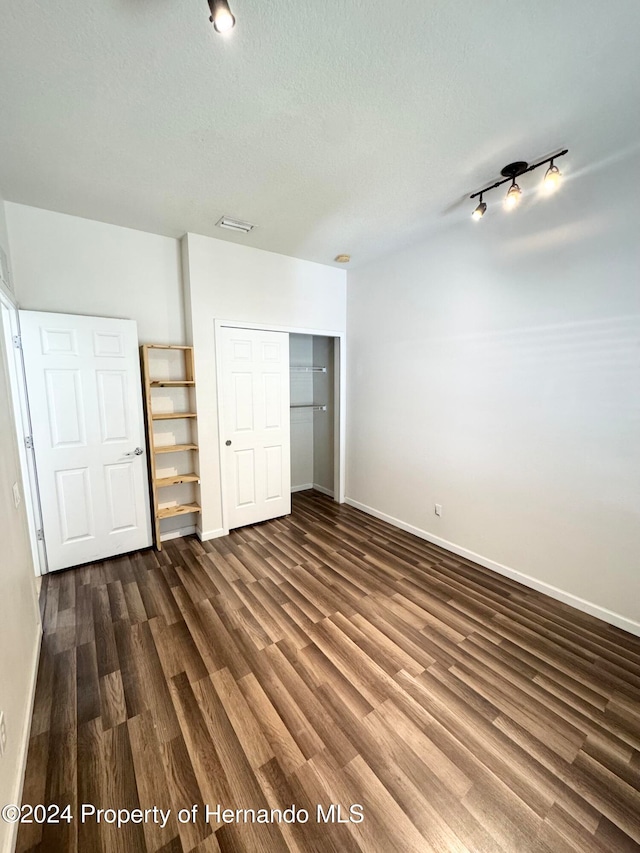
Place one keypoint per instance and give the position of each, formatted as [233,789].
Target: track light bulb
[552,179]
[512,198]
[480,210]
[221,16]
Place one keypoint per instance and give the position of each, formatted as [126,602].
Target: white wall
[19,619]
[227,281]
[72,265]
[495,369]
[79,266]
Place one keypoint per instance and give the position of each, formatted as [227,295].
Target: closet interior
[312,367]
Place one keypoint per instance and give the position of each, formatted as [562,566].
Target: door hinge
[17,341]
[40,535]
[28,442]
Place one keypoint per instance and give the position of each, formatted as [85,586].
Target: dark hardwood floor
[330,658]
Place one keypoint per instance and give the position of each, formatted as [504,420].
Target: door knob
[137,452]
[228,442]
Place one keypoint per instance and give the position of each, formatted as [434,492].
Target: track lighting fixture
[480,210]
[512,198]
[552,180]
[221,16]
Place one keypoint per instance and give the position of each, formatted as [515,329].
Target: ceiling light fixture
[235,225]
[342,259]
[221,16]
[512,171]
[480,210]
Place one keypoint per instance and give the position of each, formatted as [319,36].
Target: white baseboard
[176,534]
[589,607]
[205,535]
[26,733]
[315,486]
[323,490]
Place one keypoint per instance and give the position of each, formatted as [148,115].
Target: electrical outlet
[438,509]
[3,734]
[16,495]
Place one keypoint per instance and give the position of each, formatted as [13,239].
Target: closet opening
[314,405]
[281,417]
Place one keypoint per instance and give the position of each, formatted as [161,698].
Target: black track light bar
[522,169]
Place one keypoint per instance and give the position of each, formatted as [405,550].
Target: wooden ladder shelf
[152,418]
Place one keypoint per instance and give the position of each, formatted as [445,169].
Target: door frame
[339,390]
[23,431]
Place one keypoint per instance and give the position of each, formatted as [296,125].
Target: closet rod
[302,369]
[310,406]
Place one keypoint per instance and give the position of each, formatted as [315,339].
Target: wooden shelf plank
[181,509]
[172,383]
[175,448]
[173,416]
[166,346]
[161,482]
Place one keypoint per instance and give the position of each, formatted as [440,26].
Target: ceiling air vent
[235,225]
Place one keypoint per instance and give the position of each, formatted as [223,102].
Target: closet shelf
[167,346]
[181,509]
[185,378]
[299,368]
[161,482]
[316,408]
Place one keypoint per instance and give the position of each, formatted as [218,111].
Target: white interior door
[85,399]
[256,430]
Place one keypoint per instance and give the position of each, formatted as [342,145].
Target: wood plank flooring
[330,658]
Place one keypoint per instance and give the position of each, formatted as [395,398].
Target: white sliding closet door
[85,398]
[256,432]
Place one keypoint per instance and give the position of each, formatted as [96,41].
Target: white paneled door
[256,428]
[85,398]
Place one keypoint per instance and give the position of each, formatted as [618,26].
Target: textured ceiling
[334,126]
